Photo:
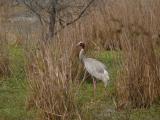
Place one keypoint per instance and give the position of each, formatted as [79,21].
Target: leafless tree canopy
[57,13]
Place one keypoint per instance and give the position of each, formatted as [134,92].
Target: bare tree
[57,14]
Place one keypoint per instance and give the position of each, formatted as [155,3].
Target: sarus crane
[94,67]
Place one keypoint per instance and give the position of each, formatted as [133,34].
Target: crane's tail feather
[106,78]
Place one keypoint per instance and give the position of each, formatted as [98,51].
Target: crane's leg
[94,86]
[84,77]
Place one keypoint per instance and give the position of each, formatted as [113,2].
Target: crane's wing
[94,67]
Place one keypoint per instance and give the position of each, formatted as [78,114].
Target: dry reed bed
[137,85]
[139,80]
[4,51]
[133,27]
[4,57]
[53,70]
[52,81]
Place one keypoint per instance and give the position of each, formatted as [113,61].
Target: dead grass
[4,58]
[52,82]
[137,85]
[54,72]
[138,82]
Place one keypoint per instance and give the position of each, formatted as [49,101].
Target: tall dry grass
[4,51]
[133,28]
[139,80]
[52,80]
[4,56]
[126,26]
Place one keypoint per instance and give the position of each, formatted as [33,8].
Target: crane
[94,67]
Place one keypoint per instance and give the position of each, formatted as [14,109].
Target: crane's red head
[81,44]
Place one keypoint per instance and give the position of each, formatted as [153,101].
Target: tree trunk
[52,21]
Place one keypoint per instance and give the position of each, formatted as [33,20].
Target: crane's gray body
[95,68]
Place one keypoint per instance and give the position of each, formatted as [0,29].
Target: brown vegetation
[52,80]
[139,79]
[4,58]
[127,26]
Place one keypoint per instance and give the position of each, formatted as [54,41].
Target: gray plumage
[94,67]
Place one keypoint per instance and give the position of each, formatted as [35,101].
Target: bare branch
[31,7]
[79,16]
[57,11]
[82,12]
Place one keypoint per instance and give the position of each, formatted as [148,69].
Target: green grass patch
[13,90]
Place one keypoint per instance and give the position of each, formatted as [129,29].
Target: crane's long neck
[82,55]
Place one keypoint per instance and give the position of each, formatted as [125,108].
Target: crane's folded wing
[94,66]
